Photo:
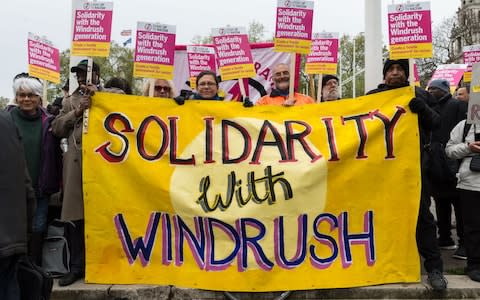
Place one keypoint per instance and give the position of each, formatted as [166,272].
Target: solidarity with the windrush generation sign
[215,196]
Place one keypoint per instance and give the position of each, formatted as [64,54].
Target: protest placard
[452,73]
[416,76]
[323,58]
[234,57]
[43,59]
[473,114]
[293,32]
[410,30]
[92,26]
[471,55]
[154,51]
[200,58]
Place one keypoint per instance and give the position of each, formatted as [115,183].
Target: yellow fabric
[374,192]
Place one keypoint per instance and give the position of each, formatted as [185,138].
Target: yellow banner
[467,77]
[44,73]
[292,45]
[405,51]
[237,71]
[216,196]
[90,49]
[321,68]
[153,71]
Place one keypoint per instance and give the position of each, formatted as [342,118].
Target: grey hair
[173,90]
[27,84]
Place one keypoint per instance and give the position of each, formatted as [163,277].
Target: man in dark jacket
[17,199]
[395,74]
[444,181]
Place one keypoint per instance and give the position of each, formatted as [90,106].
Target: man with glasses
[280,93]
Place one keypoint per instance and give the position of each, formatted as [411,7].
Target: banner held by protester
[263,59]
[252,199]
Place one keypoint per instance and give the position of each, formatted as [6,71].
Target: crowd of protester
[42,160]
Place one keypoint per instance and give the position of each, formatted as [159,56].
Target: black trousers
[470,203]
[427,235]
[9,289]
[443,207]
[76,238]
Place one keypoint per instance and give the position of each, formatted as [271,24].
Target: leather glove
[179,100]
[417,105]
[247,102]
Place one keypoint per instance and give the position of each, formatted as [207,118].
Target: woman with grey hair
[162,89]
[42,152]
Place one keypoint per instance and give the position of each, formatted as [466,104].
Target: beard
[332,95]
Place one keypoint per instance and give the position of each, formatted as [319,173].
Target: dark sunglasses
[160,88]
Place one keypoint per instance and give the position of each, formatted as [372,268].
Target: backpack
[34,283]
[56,253]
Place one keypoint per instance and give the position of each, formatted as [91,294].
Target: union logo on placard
[400,7]
[148,26]
[86,5]
[287,3]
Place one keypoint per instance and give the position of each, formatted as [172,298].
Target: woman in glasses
[207,86]
[163,89]
[42,152]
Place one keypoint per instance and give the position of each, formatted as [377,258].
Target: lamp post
[373,43]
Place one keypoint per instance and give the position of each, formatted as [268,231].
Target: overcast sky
[52,19]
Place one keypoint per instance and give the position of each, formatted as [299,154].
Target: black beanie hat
[403,63]
[326,78]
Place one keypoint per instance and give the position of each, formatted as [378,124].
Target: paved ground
[460,287]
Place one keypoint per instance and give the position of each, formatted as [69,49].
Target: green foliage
[442,50]
[3,102]
[256,32]
[118,64]
[201,40]
[346,65]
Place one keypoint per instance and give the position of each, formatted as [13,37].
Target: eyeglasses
[207,83]
[160,88]
[284,73]
[29,95]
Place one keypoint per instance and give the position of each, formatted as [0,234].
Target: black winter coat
[17,197]
[428,120]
